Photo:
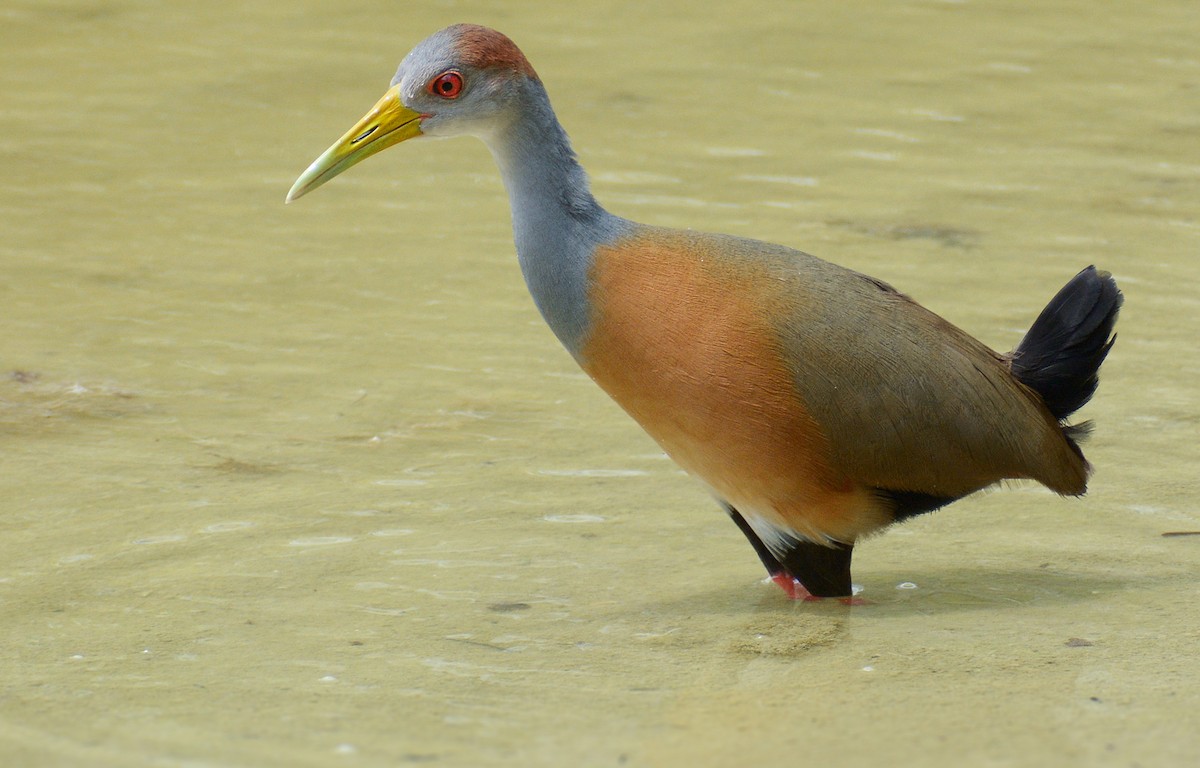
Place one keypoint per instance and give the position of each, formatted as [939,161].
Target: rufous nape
[817,404]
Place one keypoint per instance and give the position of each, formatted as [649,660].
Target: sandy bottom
[314,486]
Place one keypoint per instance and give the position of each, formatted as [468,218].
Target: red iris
[448,85]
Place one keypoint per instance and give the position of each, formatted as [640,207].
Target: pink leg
[796,591]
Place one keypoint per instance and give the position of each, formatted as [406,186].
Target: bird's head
[465,79]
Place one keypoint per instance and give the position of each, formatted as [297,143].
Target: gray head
[465,79]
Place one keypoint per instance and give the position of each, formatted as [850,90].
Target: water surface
[314,485]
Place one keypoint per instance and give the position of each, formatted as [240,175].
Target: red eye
[448,85]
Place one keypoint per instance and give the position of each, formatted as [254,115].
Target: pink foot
[796,591]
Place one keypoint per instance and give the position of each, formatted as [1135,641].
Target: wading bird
[816,403]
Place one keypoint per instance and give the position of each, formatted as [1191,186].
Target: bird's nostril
[365,134]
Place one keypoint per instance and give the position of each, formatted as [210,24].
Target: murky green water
[314,486]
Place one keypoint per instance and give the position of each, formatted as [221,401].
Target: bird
[817,404]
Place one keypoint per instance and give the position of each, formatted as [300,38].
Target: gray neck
[557,224]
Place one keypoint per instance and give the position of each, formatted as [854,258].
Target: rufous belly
[683,341]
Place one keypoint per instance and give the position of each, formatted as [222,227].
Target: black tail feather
[1060,356]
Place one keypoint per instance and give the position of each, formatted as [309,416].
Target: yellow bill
[388,123]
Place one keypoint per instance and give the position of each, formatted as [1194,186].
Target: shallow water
[314,485]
